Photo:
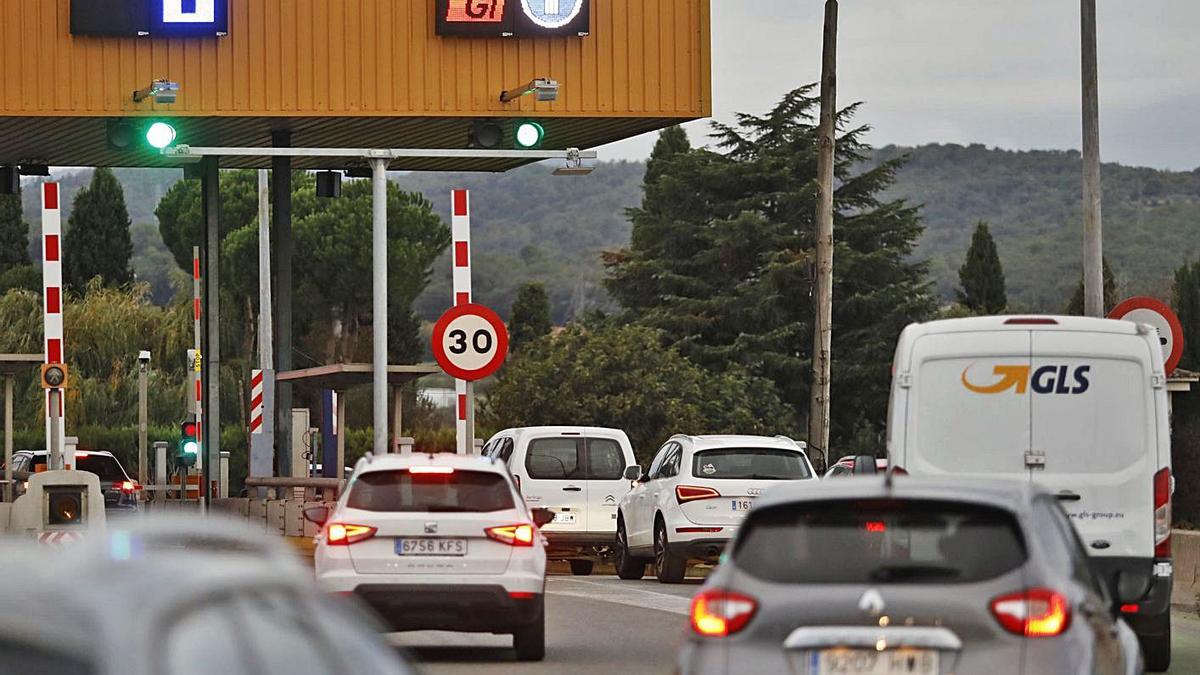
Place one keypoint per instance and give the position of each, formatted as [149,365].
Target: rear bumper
[477,609]
[580,538]
[1153,617]
[708,549]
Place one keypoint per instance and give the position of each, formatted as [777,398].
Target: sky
[1004,73]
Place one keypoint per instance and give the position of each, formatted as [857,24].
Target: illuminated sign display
[150,18]
[513,18]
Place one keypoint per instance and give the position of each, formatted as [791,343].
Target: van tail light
[1162,514]
[344,534]
[688,493]
[1034,612]
[718,613]
[513,535]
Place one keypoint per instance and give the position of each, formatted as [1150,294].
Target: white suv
[438,542]
[576,472]
[696,493]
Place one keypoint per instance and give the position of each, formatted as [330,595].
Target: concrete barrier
[1185,550]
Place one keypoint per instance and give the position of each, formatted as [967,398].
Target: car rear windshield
[750,463]
[460,491]
[107,468]
[880,542]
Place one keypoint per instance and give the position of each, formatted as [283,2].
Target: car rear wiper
[885,573]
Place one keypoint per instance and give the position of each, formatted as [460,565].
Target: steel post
[379,291]
[211,446]
[281,216]
[56,457]
[143,419]
[8,439]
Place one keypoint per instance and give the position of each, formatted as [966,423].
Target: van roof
[1019,322]
[566,430]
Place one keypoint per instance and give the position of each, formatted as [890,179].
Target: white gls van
[576,472]
[1077,405]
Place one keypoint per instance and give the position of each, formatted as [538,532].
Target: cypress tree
[530,318]
[97,241]
[14,234]
[1075,306]
[1186,303]
[982,276]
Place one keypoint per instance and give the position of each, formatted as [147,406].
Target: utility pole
[818,416]
[1093,240]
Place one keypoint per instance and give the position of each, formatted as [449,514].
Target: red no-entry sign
[470,342]
[1159,315]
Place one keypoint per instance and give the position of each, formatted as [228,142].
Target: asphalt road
[601,625]
[594,625]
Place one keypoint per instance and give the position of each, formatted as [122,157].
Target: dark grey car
[905,575]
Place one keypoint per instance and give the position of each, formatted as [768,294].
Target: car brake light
[1031,321]
[876,526]
[687,493]
[1036,612]
[344,534]
[717,613]
[1162,514]
[1130,608]
[513,535]
[522,595]
[428,470]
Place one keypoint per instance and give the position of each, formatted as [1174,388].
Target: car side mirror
[542,516]
[633,472]
[317,514]
[864,465]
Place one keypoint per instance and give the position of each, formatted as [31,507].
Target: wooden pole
[818,419]
[1093,241]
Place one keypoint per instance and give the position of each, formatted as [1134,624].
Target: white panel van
[1077,405]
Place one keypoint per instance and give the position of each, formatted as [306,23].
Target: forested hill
[528,224]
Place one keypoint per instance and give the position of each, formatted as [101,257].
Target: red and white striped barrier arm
[52,284]
[460,231]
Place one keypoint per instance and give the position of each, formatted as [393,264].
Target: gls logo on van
[1045,380]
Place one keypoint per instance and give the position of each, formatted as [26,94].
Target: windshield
[750,463]
[879,542]
[107,468]
[461,491]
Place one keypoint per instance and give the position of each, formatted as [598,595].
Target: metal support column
[281,187]
[143,417]
[379,308]
[8,439]
[211,349]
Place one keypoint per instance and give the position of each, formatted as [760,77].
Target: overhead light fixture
[545,88]
[575,166]
[329,184]
[163,91]
[35,169]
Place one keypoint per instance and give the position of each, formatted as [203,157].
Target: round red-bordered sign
[470,342]
[1163,318]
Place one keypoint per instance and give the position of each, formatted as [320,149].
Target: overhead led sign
[513,18]
[150,18]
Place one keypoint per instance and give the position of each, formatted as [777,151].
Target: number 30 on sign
[470,342]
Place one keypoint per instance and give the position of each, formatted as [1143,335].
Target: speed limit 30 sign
[470,342]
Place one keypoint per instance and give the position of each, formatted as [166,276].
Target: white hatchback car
[438,542]
[576,472]
[689,504]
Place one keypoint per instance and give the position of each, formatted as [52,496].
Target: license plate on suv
[742,504]
[435,547]
[871,662]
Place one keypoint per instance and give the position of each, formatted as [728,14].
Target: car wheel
[1156,650]
[581,568]
[669,568]
[529,640]
[628,567]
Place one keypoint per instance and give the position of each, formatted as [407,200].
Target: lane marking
[625,595]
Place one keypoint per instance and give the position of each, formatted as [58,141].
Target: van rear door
[1093,418]
[556,478]
[968,404]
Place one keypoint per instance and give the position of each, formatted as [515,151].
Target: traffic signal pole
[379,309]
[1093,247]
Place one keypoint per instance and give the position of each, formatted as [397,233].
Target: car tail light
[522,595]
[513,535]
[690,530]
[1130,608]
[1162,514]
[431,470]
[899,471]
[717,613]
[126,486]
[687,493]
[1035,612]
[1031,321]
[344,534]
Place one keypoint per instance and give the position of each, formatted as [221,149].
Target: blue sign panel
[150,18]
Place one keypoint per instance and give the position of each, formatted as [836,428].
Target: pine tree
[722,246]
[982,276]
[1186,303]
[97,241]
[1075,306]
[530,318]
[14,234]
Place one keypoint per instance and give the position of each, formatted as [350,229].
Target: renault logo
[431,528]
[871,602]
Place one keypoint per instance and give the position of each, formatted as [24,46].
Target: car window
[459,491]
[505,449]
[606,461]
[190,641]
[553,458]
[283,640]
[880,542]
[107,468]
[749,463]
[656,465]
[670,465]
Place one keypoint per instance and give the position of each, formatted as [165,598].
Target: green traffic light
[529,134]
[190,447]
[160,135]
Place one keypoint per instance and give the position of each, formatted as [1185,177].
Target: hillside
[530,225]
